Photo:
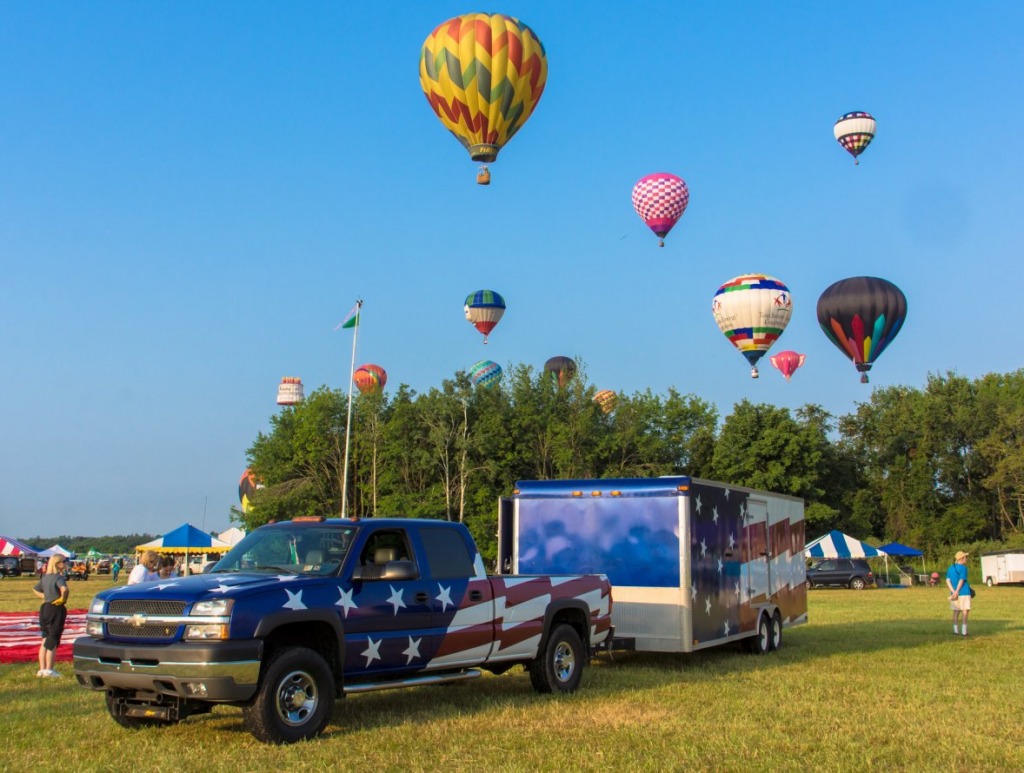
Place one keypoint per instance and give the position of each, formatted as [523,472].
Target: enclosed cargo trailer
[693,563]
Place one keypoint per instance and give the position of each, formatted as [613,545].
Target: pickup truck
[302,612]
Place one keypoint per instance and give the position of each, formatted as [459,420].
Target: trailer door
[758,551]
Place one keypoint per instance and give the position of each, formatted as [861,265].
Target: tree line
[932,467]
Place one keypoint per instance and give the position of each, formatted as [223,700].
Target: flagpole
[348,419]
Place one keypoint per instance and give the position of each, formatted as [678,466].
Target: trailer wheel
[559,667]
[988,581]
[809,584]
[294,700]
[760,642]
[776,632]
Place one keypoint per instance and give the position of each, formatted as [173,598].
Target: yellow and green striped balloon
[483,74]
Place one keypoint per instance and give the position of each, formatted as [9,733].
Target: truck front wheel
[559,667]
[294,700]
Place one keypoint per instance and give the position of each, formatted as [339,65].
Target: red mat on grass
[19,636]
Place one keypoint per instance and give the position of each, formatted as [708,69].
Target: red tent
[11,547]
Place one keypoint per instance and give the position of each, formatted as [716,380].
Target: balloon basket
[754,373]
[483,176]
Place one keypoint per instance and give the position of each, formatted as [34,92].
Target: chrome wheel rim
[296,698]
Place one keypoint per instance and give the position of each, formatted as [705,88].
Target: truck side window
[447,554]
[384,546]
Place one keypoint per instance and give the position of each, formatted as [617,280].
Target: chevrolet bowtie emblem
[137,620]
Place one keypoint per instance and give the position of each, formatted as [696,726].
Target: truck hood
[208,586]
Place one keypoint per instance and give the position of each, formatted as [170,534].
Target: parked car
[844,572]
[10,567]
[103,566]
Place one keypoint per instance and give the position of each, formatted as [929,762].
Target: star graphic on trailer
[372,652]
[719,565]
[346,602]
[413,650]
[727,492]
[445,597]
[707,604]
[395,599]
[703,549]
[294,600]
[714,516]
[726,629]
[732,541]
[694,592]
[696,501]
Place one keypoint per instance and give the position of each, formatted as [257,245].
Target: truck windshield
[298,549]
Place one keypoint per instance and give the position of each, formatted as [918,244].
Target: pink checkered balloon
[660,199]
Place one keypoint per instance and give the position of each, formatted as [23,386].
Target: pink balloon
[787,362]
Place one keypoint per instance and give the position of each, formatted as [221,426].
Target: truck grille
[149,630]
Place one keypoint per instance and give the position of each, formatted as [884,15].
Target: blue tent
[835,544]
[896,549]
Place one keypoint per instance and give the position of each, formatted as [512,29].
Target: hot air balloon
[855,132]
[562,368]
[752,310]
[370,378]
[861,315]
[483,74]
[485,373]
[289,391]
[660,199]
[484,309]
[787,362]
[606,400]
[247,486]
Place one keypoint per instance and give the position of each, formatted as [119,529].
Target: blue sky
[193,195]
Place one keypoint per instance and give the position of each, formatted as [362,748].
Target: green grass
[876,681]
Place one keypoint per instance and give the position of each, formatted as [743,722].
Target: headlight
[94,629]
[206,632]
[217,607]
[97,607]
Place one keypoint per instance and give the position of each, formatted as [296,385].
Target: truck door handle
[475,595]
[422,598]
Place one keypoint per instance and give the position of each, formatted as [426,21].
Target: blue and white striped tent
[835,544]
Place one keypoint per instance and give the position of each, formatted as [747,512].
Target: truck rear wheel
[776,632]
[294,700]
[559,667]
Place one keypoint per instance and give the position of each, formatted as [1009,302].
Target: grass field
[875,681]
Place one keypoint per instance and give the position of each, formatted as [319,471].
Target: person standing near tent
[959,591]
[53,590]
[146,569]
[115,569]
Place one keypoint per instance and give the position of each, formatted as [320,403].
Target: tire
[559,667]
[809,584]
[133,723]
[988,581]
[775,632]
[294,700]
[857,583]
[760,642]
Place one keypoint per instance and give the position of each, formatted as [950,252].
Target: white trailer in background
[1002,567]
[693,563]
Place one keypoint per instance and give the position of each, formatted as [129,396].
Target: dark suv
[846,572]
[10,567]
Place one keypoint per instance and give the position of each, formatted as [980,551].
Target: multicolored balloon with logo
[660,199]
[484,309]
[606,400]
[483,75]
[854,131]
[562,368]
[370,378]
[787,362]
[752,310]
[485,373]
[861,316]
